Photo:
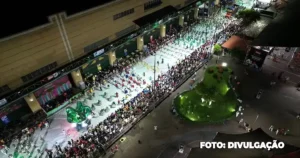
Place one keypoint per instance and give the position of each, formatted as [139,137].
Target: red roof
[236,42]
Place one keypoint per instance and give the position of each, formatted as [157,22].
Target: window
[152,4]
[124,13]
[4,89]
[39,72]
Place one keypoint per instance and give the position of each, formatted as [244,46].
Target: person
[286,131]
[116,147]
[287,79]
[241,120]
[298,116]
[277,131]
[248,129]
[245,124]
[237,114]
[46,124]
[139,141]
[271,128]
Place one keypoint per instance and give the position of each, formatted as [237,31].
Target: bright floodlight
[224,64]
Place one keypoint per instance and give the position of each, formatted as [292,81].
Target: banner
[52,90]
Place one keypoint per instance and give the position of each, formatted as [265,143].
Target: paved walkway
[273,108]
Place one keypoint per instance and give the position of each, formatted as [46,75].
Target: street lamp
[224,64]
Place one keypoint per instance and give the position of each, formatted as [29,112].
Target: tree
[248,16]
[217,49]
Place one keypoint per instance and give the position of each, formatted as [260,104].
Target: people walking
[237,114]
[277,131]
[241,120]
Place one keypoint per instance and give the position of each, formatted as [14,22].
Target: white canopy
[264,1]
[203,6]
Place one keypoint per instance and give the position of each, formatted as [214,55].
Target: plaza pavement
[277,107]
[282,64]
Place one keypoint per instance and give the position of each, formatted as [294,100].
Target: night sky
[20,16]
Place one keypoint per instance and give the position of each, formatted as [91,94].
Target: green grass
[210,101]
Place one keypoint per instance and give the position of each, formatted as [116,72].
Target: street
[277,107]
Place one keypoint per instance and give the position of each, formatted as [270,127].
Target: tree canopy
[217,49]
[248,16]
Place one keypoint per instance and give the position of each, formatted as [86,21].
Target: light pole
[154,71]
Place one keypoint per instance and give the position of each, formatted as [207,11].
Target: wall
[24,54]
[96,25]
[31,50]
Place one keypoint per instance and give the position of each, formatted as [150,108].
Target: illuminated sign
[56,74]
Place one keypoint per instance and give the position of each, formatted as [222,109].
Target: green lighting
[79,114]
[210,100]
[155,25]
[231,109]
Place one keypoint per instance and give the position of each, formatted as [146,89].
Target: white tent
[203,6]
[264,1]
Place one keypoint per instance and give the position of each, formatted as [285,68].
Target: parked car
[259,93]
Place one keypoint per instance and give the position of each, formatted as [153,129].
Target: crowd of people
[97,138]
[104,133]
